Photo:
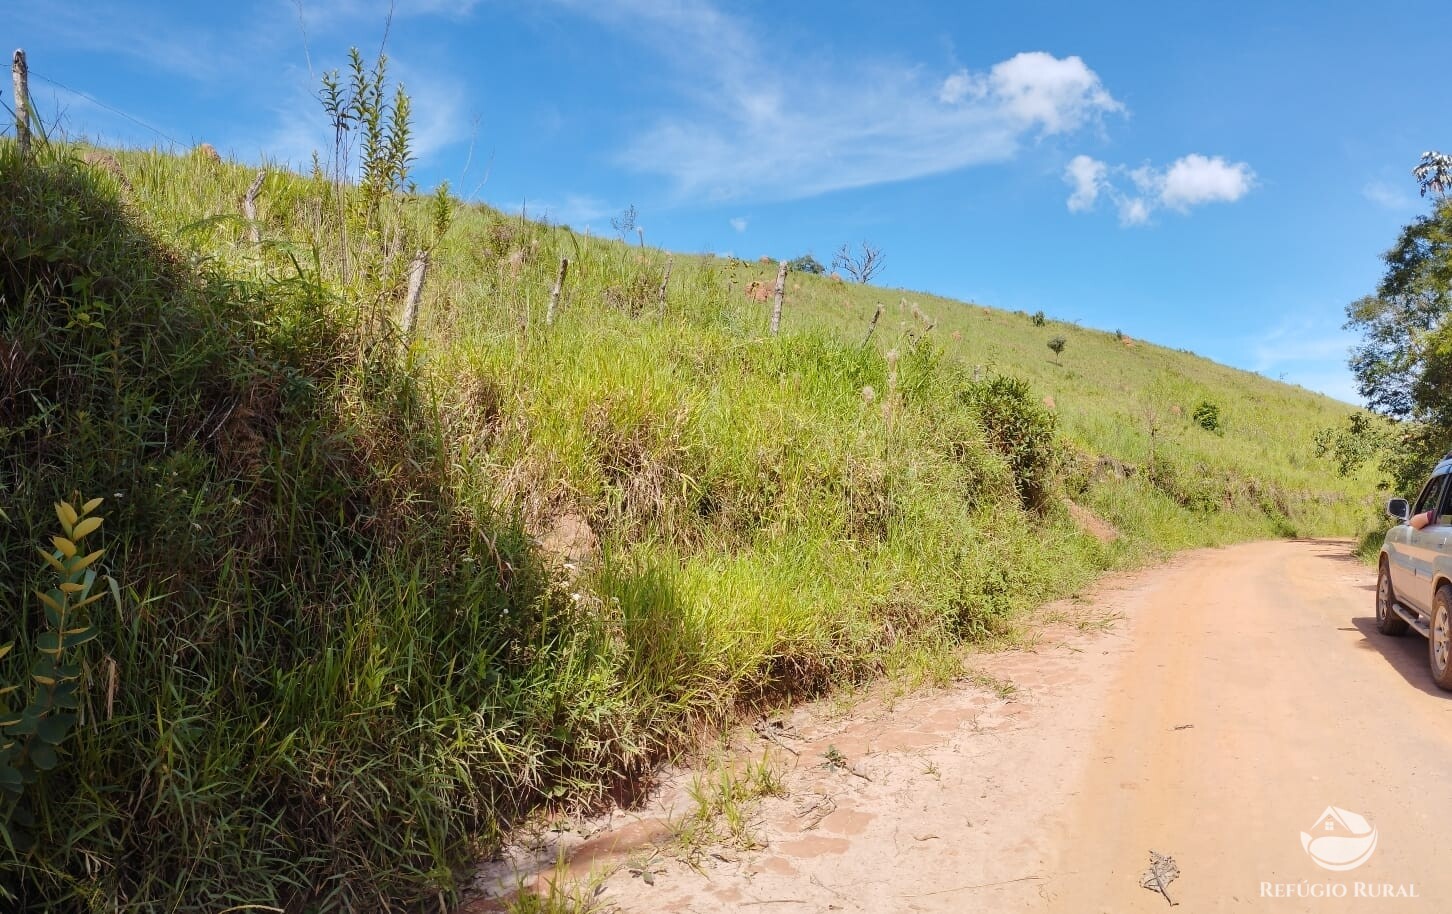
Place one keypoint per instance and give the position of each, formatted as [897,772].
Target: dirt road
[1236,695]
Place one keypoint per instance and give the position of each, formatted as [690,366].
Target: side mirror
[1398,508]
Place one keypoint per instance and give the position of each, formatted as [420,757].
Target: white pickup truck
[1414,579]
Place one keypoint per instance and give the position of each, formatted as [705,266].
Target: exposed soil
[1208,709]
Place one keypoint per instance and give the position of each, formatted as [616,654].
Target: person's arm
[1418,521]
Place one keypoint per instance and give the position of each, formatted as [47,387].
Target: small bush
[1194,490]
[1038,319]
[1207,416]
[806,264]
[1020,429]
[1057,344]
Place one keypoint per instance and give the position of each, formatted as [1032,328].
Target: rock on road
[1237,694]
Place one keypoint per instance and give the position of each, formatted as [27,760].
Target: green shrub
[32,737]
[1207,416]
[806,264]
[1038,319]
[1020,429]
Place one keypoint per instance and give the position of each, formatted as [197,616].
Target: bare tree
[862,264]
[624,223]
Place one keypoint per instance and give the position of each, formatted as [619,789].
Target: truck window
[1431,497]
[1444,511]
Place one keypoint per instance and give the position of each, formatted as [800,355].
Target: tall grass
[344,663]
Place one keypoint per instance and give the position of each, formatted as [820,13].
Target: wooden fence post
[665,281]
[876,315]
[20,76]
[781,272]
[249,207]
[416,270]
[555,292]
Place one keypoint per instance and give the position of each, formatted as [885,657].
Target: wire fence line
[95,101]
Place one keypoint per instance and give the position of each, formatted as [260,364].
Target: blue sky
[1217,177]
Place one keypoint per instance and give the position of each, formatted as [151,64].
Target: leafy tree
[1434,173]
[1359,440]
[806,264]
[1403,366]
[1057,344]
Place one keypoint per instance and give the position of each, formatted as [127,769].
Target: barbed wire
[114,110]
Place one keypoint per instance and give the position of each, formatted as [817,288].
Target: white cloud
[959,86]
[1133,211]
[1087,176]
[1056,95]
[739,224]
[1146,179]
[1189,181]
[749,122]
[1196,179]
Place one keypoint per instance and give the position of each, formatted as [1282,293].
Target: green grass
[344,665]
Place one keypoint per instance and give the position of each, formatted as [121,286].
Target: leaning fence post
[781,272]
[555,292]
[416,270]
[665,281]
[249,206]
[20,76]
[872,325]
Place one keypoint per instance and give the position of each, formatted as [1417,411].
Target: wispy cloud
[1388,195]
[1301,349]
[579,211]
[1189,181]
[739,224]
[439,118]
[139,32]
[752,124]
[335,13]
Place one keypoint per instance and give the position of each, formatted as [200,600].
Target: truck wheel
[1439,640]
[1387,620]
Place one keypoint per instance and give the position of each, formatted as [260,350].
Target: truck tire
[1387,620]
[1439,639]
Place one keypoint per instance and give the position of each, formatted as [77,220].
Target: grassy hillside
[1114,394]
[376,596]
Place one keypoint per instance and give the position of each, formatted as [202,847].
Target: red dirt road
[1236,695]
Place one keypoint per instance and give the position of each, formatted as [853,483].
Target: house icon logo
[1340,840]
